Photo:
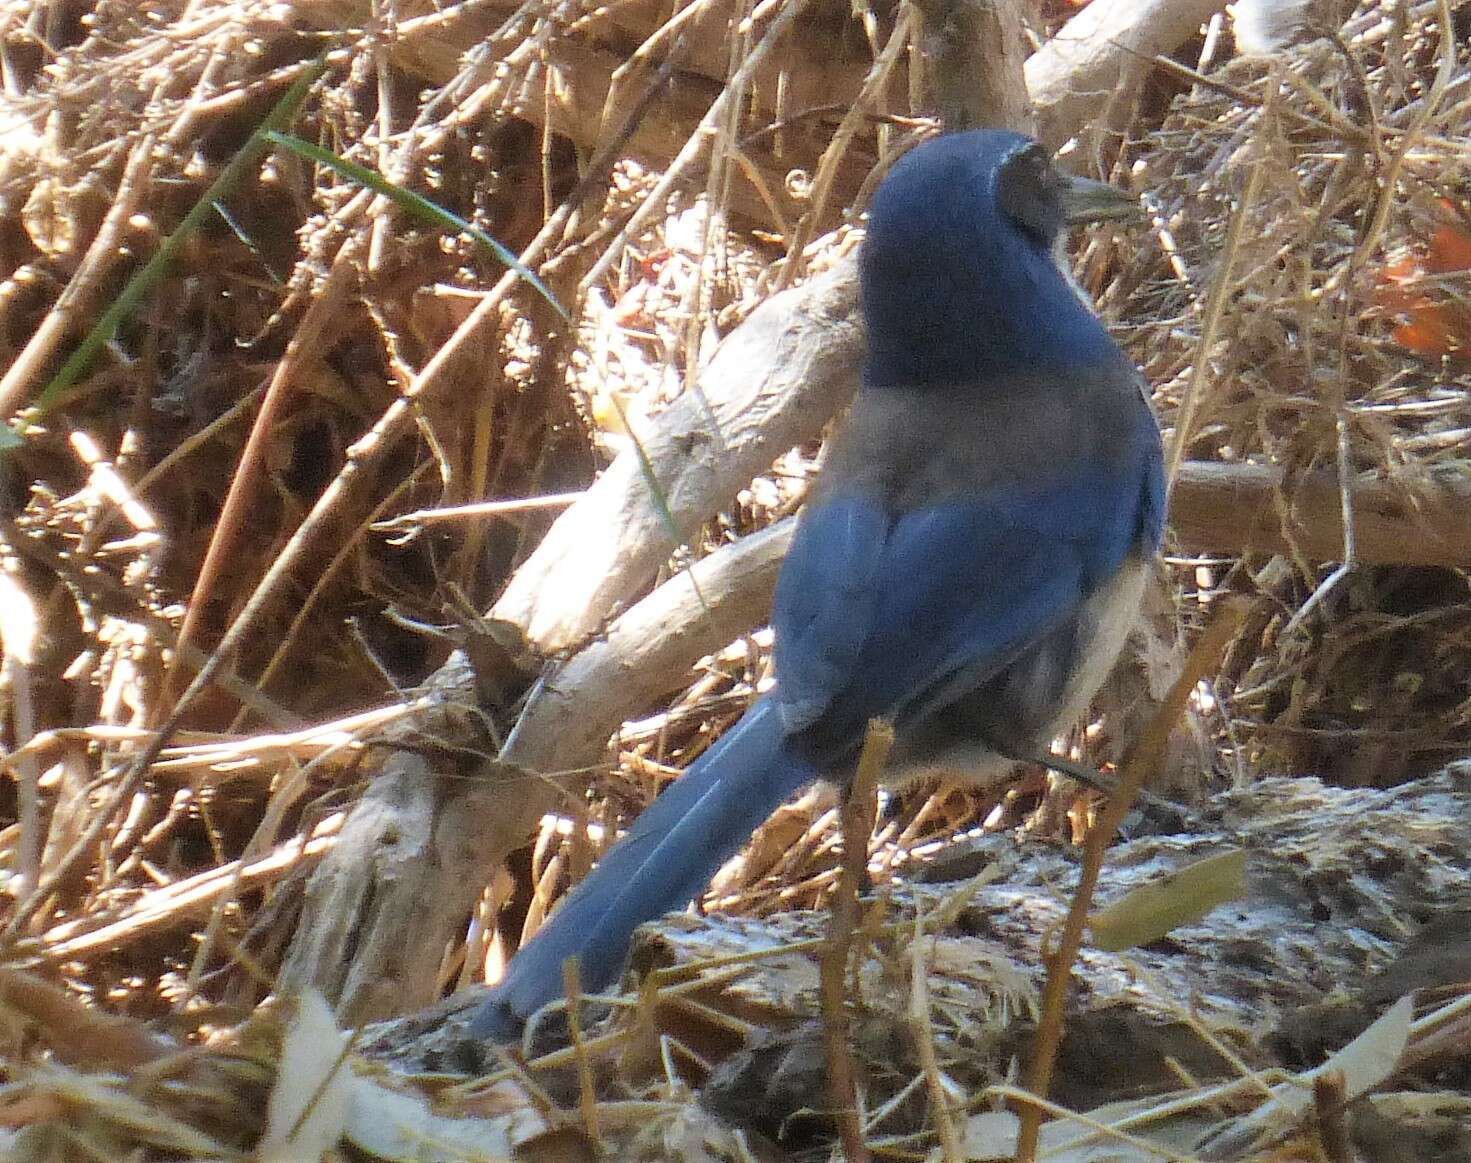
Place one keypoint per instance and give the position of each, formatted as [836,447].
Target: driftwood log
[1353,898]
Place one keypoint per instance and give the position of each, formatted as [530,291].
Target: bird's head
[959,278]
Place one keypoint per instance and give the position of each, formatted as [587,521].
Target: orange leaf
[1432,323]
[1450,250]
[1431,330]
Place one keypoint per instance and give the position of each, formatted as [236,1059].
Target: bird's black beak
[1084,200]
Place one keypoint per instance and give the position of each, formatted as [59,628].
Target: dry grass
[1299,201]
[400,371]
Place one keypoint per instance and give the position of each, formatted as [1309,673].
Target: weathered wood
[772,383]
[1233,509]
[417,847]
[974,52]
[1338,881]
[645,654]
[1078,73]
[380,895]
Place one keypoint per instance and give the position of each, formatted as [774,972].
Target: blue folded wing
[825,600]
[892,614]
[878,613]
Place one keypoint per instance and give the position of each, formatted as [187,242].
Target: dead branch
[771,384]
[973,51]
[412,838]
[382,885]
[784,371]
[1229,509]
[1079,70]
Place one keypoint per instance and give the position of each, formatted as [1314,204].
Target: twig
[101,257]
[1364,253]
[1215,310]
[394,421]
[1073,73]
[282,799]
[146,277]
[853,120]
[389,426]
[18,632]
[923,1030]
[412,521]
[856,814]
[309,603]
[184,899]
[324,311]
[1443,1030]
[587,1091]
[658,197]
[1330,1097]
[1143,762]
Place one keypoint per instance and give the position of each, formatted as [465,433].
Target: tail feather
[665,861]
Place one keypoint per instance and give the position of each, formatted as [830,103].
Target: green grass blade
[416,205]
[433,214]
[144,280]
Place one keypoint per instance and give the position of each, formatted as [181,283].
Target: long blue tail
[665,861]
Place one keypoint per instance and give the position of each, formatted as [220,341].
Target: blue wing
[825,600]
[893,614]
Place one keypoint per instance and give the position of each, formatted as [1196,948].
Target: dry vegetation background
[231,598]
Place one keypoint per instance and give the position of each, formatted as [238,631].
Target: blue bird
[968,562]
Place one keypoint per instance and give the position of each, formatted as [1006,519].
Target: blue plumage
[968,562]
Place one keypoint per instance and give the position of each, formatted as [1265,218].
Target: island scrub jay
[969,560]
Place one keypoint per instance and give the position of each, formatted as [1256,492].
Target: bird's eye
[1026,189]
